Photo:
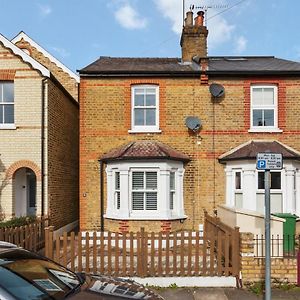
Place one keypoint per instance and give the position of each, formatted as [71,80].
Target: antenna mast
[205,8]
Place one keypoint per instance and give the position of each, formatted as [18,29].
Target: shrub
[16,222]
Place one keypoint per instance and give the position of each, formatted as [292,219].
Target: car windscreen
[31,277]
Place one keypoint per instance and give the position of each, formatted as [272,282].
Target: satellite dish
[217,90]
[193,123]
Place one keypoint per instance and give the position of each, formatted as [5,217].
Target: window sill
[144,131]
[265,130]
[8,126]
[144,218]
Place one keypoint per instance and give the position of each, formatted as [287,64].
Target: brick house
[39,128]
[140,163]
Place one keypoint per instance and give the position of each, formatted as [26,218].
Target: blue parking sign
[261,164]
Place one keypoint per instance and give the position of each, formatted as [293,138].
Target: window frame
[2,103]
[273,107]
[117,190]
[145,190]
[144,128]
[273,191]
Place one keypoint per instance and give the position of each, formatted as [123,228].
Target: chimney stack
[194,37]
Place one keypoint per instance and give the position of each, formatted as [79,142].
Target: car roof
[7,245]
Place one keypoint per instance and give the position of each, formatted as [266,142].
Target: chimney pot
[189,19]
[199,20]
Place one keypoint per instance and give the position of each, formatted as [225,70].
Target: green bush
[16,222]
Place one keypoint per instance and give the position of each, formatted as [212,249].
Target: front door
[25,192]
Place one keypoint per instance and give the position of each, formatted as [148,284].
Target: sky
[77,32]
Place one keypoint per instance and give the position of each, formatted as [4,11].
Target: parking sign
[269,161]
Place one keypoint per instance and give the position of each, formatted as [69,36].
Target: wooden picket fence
[30,237]
[148,254]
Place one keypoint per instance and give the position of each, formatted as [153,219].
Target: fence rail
[281,246]
[30,237]
[146,254]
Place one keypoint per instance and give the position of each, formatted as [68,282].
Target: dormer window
[145,108]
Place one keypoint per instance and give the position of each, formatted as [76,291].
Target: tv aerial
[205,9]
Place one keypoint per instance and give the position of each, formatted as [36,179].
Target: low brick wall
[253,268]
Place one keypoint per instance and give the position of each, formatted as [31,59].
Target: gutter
[101,197]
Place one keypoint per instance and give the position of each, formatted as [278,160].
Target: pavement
[224,294]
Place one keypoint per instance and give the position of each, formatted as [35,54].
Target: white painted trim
[265,129]
[212,281]
[143,218]
[8,126]
[23,35]
[66,228]
[145,130]
[35,64]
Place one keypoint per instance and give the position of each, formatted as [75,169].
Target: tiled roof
[144,149]
[250,150]
[129,66]
[250,64]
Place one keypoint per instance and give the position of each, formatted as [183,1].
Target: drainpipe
[43,147]
[101,197]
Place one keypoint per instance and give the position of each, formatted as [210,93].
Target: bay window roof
[250,149]
[144,149]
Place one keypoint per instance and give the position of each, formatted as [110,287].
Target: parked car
[28,276]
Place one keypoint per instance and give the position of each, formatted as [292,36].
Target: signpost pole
[265,162]
[267,237]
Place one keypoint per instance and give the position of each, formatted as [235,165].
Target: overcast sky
[77,32]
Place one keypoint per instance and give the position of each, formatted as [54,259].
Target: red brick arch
[23,164]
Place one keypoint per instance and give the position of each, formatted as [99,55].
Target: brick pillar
[247,257]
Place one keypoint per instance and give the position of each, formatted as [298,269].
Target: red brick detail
[123,226]
[281,99]
[165,226]
[7,74]
[23,164]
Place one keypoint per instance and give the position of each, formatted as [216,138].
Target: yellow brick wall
[63,156]
[21,147]
[105,121]
[24,142]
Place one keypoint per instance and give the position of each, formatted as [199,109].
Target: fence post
[236,250]
[298,268]
[143,256]
[49,241]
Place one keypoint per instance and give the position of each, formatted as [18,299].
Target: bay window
[145,190]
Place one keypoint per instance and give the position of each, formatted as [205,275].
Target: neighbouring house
[162,139]
[39,133]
